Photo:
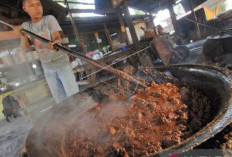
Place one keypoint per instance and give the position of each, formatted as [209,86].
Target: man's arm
[55,31]
[25,45]
[56,39]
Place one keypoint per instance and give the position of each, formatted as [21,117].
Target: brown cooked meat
[155,119]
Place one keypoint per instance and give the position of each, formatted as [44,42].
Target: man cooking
[56,66]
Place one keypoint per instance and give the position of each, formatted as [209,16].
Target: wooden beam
[101,19]
[123,29]
[152,22]
[173,18]
[96,35]
[108,35]
[75,30]
[153,7]
[13,20]
[76,2]
[4,10]
[116,3]
[12,7]
[197,27]
[82,10]
[130,23]
[9,35]
[175,23]
[105,11]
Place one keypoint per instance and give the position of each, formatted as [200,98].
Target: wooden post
[175,23]
[123,29]
[173,18]
[197,27]
[130,23]
[152,21]
[96,35]
[75,30]
[108,35]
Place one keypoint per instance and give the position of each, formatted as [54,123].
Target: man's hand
[50,44]
[17,29]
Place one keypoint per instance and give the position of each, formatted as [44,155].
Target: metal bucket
[45,138]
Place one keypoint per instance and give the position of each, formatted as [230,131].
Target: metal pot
[45,138]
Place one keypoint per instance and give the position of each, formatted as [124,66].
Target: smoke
[91,123]
[13,134]
[51,128]
[22,73]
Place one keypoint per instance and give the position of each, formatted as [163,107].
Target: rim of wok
[219,122]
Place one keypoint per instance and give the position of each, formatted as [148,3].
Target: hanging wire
[105,82]
[116,62]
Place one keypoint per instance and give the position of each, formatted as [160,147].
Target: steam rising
[53,125]
[91,124]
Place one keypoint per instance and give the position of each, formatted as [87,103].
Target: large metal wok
[45,138]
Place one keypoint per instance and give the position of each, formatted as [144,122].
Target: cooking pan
[45,138]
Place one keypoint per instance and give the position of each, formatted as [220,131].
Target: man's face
[33,8]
